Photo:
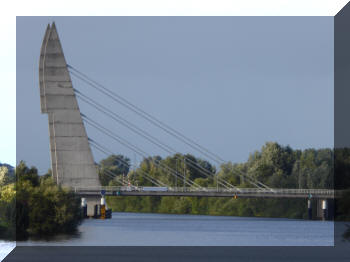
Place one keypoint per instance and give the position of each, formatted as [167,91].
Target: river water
[139,229]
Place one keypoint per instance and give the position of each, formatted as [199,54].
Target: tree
[274,165]
[6,177]
[23,173]
[42,207]
[113,165]
[7,212]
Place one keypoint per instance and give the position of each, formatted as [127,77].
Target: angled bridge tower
[72,162]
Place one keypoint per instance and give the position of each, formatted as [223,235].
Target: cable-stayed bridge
[72,161]
[206,192]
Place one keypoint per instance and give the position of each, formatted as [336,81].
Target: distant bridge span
[209,192]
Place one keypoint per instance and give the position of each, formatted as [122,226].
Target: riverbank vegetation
[7,203]
[274,165]
[33,206]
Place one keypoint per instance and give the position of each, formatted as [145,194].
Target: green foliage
[7,212]
[342,182]
[167,205]
[183,205]
[6,176]
[274,165]
[23,173]
[343,207]
[113,165]
[53,210]
[342,168]
[35,206]
[43,208]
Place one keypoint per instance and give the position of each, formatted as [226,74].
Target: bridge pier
[96,207]
[309,208]
[92,206]
[325,209]
[84,207]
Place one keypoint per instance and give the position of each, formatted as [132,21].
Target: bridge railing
[289,191]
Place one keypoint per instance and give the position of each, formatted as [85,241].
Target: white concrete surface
[71,157]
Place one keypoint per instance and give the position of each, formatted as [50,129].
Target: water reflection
[56,238]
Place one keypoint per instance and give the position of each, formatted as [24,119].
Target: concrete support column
[309,208]
[93,204]
[84,207]
[324,209]
[103,200]
[72,162]
[103,207]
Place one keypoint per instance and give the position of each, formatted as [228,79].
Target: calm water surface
[137,229]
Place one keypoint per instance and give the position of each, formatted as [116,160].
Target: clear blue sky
[229,83]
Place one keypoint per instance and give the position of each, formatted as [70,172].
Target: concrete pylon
[72,162]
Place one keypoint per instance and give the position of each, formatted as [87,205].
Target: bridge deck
[208,192]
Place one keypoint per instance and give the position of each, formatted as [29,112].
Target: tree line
[274,165]
[33,205]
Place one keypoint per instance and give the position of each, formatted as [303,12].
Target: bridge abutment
[95,207]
